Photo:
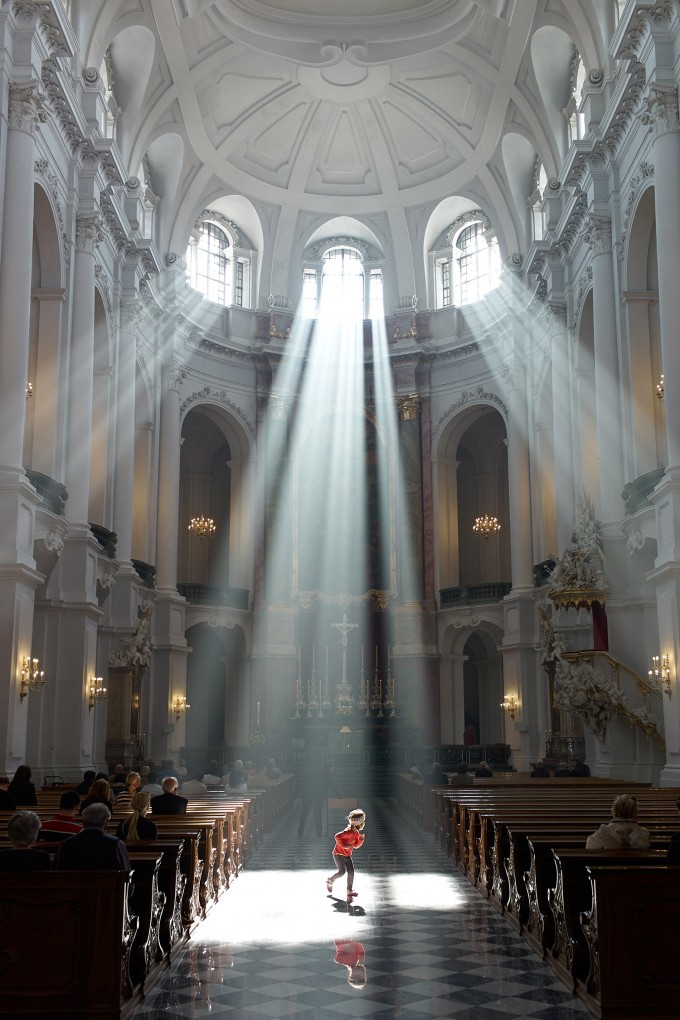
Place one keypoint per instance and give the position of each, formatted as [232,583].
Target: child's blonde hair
[357,817]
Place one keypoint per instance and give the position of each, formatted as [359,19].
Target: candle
[362,656]
[376,656]
[388,656]
[257,716]
[326,658]
[313,656]
[299,658]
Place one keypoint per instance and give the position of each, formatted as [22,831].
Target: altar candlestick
[257,716]
[376,656]
[388,656]
[299,658]
[362,656]
[313,656]
[326,658]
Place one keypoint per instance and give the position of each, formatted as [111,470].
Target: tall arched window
[343,273]
[466,261]
[220,265]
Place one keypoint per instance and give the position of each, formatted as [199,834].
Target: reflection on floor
[417,942]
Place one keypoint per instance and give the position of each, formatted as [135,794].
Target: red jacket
[346,841]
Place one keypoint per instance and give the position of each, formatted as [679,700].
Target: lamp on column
[180,707]
[29,390]
[660,673]
[509,705]
[32,676]
[660,388]
[97,692]
[485,527]
[202,527]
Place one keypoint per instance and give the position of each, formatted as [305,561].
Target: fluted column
[519,481]
[662,111]
[25,112]
[607,395]
[168,478]
[563,456]
[81,370]
[125,430]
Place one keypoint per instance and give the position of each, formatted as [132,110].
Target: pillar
[168,479]
[125,431]
[563,456]
[519,481]
[410,530]
[607,394]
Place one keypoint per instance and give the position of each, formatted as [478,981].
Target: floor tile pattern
[418,941]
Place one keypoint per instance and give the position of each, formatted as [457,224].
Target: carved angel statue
[136,651]
[582,562]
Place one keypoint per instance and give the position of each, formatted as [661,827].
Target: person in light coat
[623,832]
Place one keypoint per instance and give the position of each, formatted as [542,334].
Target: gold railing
[616,668]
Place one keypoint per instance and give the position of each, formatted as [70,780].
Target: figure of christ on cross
[344,627]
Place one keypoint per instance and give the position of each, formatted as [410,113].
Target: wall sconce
[660,673]
[180,707]
[509,705]
[202,527]
[660,388]
[32,677]
[97,692]
[29,390]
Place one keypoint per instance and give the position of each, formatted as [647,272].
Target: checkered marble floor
[419,941]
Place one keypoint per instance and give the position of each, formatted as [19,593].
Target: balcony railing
[53,494]
[211,595]
[474,593]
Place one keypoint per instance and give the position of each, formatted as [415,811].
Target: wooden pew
[66,940]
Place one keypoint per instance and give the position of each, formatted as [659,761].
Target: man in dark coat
[92,849]
[316,784]
[169,802]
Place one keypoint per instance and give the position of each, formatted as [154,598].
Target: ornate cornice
[220,350]
[213,396]
[599,235]
[478,396]
[445,239]
[26,107]
[315,251]
[172,375]
[661,109]
[89,233]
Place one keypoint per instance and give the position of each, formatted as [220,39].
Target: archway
[216,687]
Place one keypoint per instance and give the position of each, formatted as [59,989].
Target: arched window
[577,79]
[219,263]
[540,182]
[343,273]
[466,261]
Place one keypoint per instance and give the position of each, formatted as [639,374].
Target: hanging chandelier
[485,527]
[202,527]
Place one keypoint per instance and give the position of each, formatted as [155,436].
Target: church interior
[337,345]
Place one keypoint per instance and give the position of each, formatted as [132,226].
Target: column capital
[662,109]
[514,376]
[26,106]
[131,314]
[172,375]
[89,233]
[408,407]
[599,234]
[558,311]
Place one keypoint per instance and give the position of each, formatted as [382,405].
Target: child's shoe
[351,894]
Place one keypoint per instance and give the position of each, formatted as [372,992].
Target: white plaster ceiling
[374,101]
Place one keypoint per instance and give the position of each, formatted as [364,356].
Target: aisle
[421,942]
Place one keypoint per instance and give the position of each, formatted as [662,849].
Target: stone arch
[471,479]
[43,409]
[472,680]
[215,480]
[641,309]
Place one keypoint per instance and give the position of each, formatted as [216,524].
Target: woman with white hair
[237,780]
[623,832]
[22,832]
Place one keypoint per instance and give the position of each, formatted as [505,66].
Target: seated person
[673,855]
[21,787]
[579,768]
[137,825]
[22,831]
[211,776]
[8,801]
[88,779]
[539,771]
[91,849]
[259,779]
[181,769]
[237,780]
[132,786]
[623,832]
[462,776]
[118,784]
[63,824]
[195,787]
[483,771]
[435,775]
[99,793]
[117,769]
[562,771]
[152,786]
[169,802]
[167,769]
[271,771]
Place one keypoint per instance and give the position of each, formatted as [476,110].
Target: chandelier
[202,527]
[97,692]
[485,527]
[32,676]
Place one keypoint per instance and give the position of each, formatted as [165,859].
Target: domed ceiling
[373,100]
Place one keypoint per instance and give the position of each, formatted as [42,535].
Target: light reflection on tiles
[420,943]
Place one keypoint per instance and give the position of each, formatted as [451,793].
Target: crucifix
[344,629]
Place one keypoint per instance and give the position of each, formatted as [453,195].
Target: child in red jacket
[345,842]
